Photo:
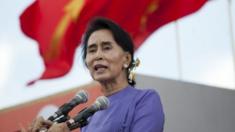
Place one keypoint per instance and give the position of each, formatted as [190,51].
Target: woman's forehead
[101,35]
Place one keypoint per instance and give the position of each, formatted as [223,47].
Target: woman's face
[105,58]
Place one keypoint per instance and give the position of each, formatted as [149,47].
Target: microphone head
[101,103]
[81,96]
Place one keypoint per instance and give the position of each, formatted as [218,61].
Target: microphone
[61,114]
[80,119]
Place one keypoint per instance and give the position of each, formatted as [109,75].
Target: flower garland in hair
[131,70]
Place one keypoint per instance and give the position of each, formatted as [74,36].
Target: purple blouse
[130,110]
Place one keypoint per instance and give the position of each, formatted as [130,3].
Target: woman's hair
[120,36]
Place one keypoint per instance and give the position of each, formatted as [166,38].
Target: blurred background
[199,49]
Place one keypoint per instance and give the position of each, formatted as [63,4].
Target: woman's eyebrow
[92,46]
[106,43]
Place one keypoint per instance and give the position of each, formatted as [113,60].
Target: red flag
[57,25]
[52,23]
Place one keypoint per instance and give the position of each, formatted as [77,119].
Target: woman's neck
[111,87]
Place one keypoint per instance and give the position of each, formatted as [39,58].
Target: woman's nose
[99,55]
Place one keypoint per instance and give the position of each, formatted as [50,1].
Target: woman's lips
[99,66]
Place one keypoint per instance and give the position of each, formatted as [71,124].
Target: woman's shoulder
[146,94]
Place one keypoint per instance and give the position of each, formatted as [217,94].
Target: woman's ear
[127,59]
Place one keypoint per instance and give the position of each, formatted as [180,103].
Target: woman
[108,54]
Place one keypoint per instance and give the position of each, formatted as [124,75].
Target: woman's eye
[91,50]
[107,47]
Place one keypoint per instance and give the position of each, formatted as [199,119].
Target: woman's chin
[101,78]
